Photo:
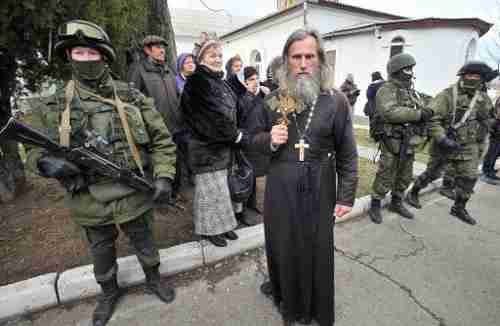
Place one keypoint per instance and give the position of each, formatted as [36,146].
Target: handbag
[241,177]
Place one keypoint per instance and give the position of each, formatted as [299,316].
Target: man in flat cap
[153,77]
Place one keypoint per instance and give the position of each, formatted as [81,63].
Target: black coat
[158,81]
[253,117]
[209,109]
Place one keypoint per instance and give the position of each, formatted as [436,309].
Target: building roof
[320,3]
[480,25]
[191,22]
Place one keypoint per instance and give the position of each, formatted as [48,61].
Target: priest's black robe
[299,206]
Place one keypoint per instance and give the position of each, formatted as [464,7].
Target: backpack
[376,127]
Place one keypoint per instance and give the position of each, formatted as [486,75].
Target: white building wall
[327,20]
[355,54]
[185,43]
[268,39]
[439,53]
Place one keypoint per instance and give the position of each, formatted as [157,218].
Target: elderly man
[135,138]
[312,178]
[155,79]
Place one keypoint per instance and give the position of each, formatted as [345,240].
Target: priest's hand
[279,134]
[341,210]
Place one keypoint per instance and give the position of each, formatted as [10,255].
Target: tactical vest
[103,119]
[473,129]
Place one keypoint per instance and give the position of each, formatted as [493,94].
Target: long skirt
[213,211]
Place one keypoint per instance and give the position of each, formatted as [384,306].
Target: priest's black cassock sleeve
[299,205]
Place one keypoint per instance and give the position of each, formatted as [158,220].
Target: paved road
[434,270]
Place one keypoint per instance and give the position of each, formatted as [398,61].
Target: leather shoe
[231,235]
[216,240]
[244,219]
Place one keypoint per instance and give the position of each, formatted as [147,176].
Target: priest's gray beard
[304,87]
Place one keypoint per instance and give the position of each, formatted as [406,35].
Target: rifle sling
[65,127]
[120,107]
[467,113]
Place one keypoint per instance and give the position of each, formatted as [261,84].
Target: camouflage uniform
[471,136]
[399,112]
[440,162]
[98,203]
[461,164]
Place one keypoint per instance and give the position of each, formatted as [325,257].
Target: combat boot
[374,211]
[490,179]
[458,210]
[397,206]
[153,285]
[412,197]
[106,302]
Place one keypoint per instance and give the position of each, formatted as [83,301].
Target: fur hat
[206,40]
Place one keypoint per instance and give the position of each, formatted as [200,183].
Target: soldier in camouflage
[134,135]
[400,115]
[463,115]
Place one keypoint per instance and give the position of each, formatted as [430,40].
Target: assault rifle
[88,157]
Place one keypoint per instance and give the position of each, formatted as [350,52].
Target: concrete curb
[53,289]
[28,296]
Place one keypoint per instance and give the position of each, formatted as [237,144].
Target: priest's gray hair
[325,71]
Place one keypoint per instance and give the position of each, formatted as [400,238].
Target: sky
[485,9]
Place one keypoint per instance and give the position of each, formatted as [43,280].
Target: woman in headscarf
[209,108]
[185,68]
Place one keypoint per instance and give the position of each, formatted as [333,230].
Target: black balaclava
[470,85]
[89,72]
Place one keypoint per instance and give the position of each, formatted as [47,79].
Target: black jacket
[209,109]
[158,81]
[254,118]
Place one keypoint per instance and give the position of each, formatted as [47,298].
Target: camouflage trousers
[103,251]
[437,165]
[393,174]
[458,174]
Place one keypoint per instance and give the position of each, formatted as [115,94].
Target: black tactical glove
[163,190]
[426,114]
[449,144]
[57,167]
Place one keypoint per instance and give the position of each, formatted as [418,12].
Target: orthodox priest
[312,179]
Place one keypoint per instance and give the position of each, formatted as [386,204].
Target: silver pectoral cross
[301,146]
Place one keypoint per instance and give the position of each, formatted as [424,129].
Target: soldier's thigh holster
[140,234]
[102,248]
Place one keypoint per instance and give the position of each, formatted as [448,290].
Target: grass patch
[363,139]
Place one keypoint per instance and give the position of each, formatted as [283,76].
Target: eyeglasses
[74,28]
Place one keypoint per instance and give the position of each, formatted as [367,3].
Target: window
[397,45]
[256,61]
[470,52]
[331,60]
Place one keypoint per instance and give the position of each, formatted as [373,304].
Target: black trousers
[103,251]
[491,157]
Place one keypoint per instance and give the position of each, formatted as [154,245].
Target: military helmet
[476,67]
[153,39]
[83,33]
[400,61]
